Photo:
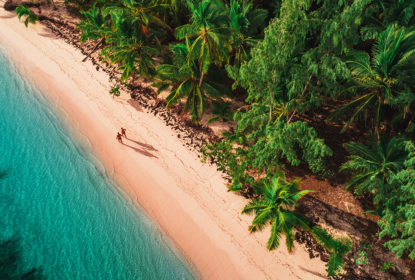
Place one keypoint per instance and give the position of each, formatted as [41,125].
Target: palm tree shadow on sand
[321,276]
[8,16]
[141,151]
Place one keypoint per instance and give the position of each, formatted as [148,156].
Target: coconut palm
[145,13]
[22,11]
[130,52]
[129,46]
[374,165]
[399,11]
[244,21]
[209,29]
[384,76]
[129,29]
[383,13]
[337,247]
[275,207]
[183,77]
[94,24]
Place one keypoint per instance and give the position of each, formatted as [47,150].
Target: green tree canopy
[275,206]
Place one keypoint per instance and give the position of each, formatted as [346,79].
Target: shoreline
[183,196]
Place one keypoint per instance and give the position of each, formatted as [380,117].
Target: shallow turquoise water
[72,220]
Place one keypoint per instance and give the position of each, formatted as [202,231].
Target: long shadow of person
[147,146]
[143,152]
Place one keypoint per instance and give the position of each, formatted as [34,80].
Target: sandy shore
[187,198]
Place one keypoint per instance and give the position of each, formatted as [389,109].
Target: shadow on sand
[141,151]
[48,34]
[146,146]
[321,276]
[11,15]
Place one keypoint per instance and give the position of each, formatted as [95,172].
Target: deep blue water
[72,220]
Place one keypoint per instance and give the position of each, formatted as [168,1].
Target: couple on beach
[120,135]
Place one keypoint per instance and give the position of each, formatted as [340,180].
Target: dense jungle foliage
[295,63]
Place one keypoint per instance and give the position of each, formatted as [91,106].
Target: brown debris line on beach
[342,215]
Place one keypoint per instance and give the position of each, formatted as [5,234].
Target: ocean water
[70,218]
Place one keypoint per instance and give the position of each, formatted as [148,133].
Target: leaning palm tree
[374,166]
[183,77]
[129,29]
[383,76]
[94,26]
[210,33]
[275,207]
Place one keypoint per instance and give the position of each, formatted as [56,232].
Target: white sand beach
[187,198]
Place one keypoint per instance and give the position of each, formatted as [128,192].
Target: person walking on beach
[123,130]
[119,137]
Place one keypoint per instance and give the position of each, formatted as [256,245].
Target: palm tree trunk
[377,118]
[201,79]
[94,49]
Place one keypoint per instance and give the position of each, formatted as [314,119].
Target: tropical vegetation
[275,206]
[284,71]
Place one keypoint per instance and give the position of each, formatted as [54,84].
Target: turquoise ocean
[71,220]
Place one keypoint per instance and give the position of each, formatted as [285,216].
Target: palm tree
[144,12]
[183,77]
[130,43]
[384,77]
[94,24]
[275,206]
[94,27]
[209,29]
[399,11]
[127,46]
[31,17]
[244,21]
[382,13]
[337,247]
[374,166]
[130,30]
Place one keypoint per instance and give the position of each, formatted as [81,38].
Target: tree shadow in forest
[143,152]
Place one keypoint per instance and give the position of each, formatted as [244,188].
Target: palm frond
[274,239]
